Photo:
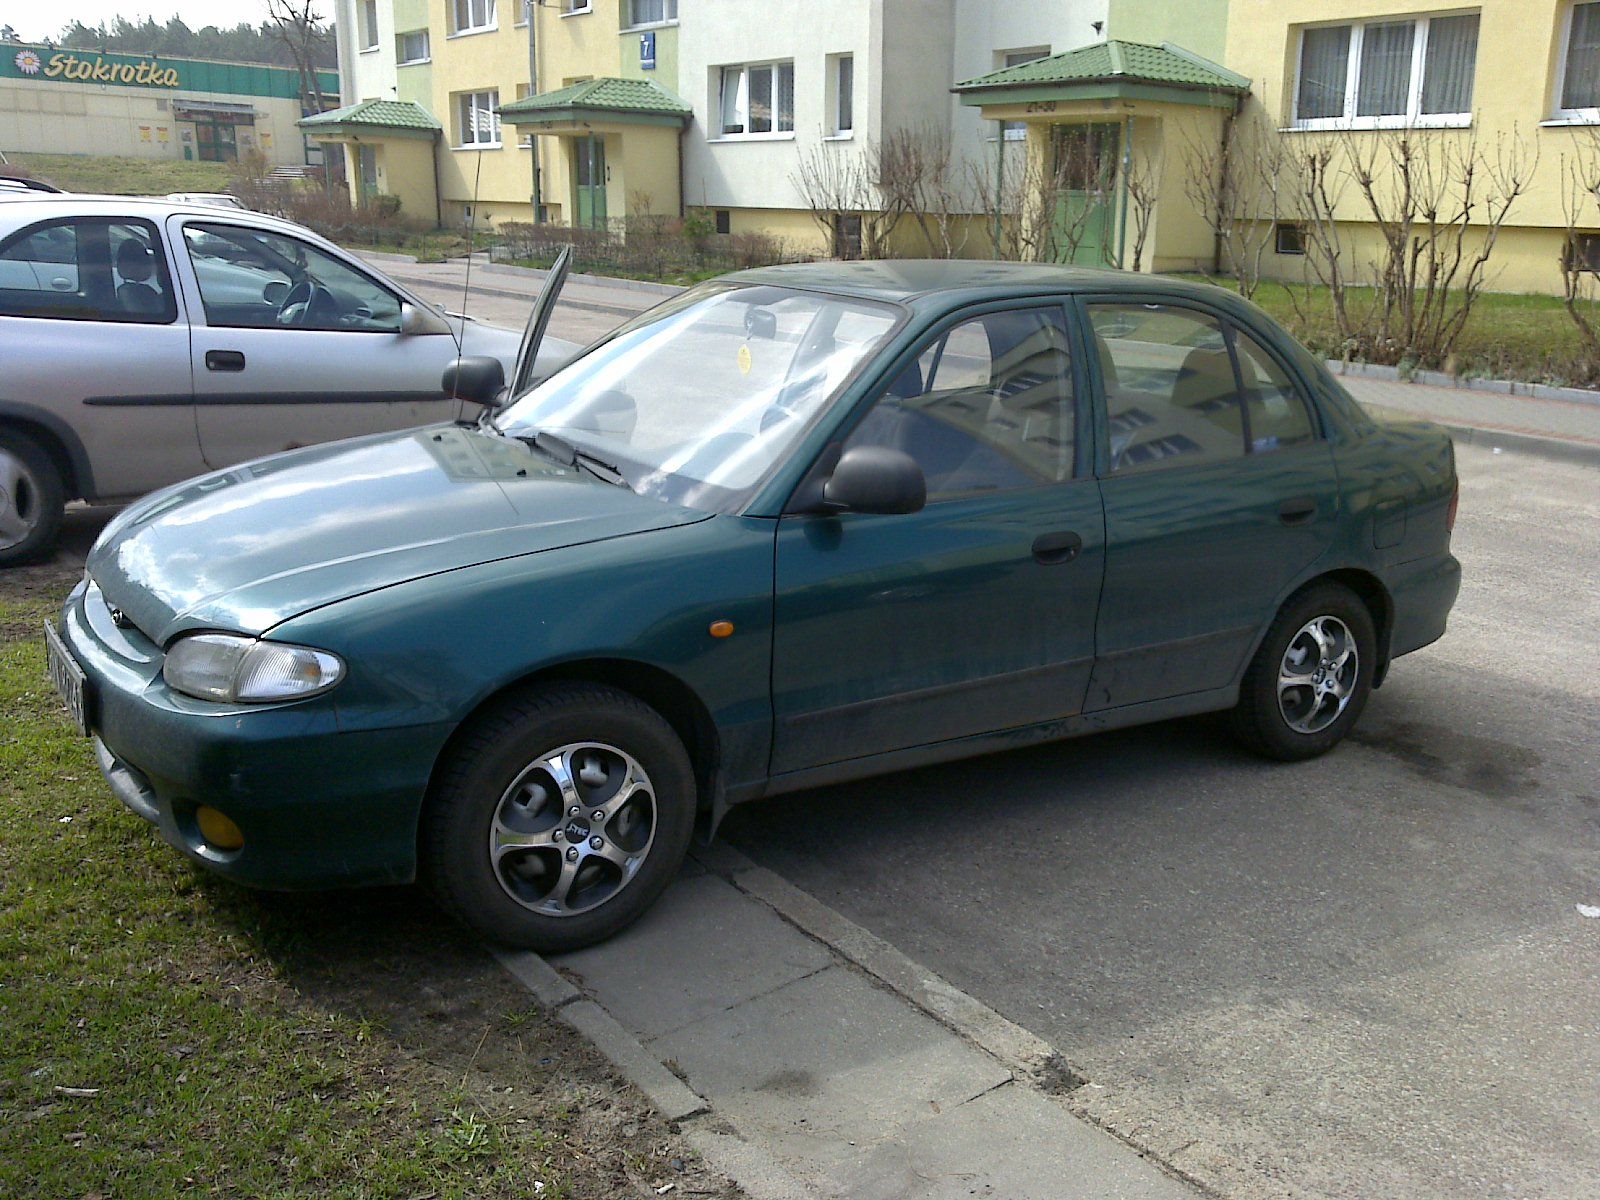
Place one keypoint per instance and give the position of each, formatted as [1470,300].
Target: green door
[590,173]
[1085,170]
[367,160]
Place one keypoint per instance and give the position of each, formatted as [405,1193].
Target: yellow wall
[1519,43]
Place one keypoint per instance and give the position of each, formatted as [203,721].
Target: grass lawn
[1528,338]
[124,176]
[167,1034]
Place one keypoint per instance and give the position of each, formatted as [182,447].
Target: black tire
[502,747]
[1261,722]
[36,498]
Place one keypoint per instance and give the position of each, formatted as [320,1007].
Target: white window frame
[576,8]
[469,102]
[1413,117]
[1017,131]
[1569,116]
[490,23]
[524,14]
[370,37]
[400,60]
[743,101]
[670,7]
[837,130]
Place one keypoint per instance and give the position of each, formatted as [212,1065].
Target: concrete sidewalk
[1566,429]
[818,1062]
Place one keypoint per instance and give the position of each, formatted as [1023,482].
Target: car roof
[906,281]
[25,207]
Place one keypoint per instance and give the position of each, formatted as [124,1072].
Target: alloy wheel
[1318,674]
[573,829]
[20,500]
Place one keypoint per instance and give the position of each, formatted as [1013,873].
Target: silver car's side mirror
[415,322]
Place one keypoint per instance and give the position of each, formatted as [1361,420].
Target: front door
[367,161]
[975,614]
[296,346]
[590,177]
[1219,492]
[217,140]
[1086,185]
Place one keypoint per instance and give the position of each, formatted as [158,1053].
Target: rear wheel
[32,496]
[1311,677]
[560,817]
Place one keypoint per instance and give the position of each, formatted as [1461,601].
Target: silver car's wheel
[1317,675]
[30,498]
[573,829]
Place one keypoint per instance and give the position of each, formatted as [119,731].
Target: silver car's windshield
[697,400]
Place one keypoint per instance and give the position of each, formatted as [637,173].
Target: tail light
[1455,503]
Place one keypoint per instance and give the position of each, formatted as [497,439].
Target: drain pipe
[533,90]
[1127,166]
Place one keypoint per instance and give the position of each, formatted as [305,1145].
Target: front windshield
[696,400]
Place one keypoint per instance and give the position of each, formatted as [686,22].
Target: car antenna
[466,282]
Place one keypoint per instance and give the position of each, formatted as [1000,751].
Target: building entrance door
[1085,158]
[217,141]
[590,173]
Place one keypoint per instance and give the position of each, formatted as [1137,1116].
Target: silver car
[145,341]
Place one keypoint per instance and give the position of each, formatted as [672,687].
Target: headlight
[243,670]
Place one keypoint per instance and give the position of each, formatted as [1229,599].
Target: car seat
[135,294]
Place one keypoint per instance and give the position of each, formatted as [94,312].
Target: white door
[293,346]
[94,341]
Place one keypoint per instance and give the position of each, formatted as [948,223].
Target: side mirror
[876,479]
[415,321]
[479,378]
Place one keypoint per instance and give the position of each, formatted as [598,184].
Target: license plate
[68,677]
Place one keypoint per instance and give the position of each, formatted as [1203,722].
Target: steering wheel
[308,303]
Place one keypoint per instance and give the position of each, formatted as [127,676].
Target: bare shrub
[1243,188]
[838,182]
[918,174]
[1580,263]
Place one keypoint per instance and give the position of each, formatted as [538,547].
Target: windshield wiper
[569,455]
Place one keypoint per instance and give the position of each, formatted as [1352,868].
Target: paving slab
[955,1154]
[827,1064]
[703,948]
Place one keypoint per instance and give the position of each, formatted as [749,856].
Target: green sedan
[799,525]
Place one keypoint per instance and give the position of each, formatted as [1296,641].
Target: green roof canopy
[629,101]
[1127,70]
[375,118]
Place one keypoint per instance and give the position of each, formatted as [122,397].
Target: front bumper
[319,805]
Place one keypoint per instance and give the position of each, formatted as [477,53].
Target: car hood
[250,547]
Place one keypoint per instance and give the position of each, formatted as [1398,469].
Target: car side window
[1171,395]
[986,406]
[257,279]
[87,269]
[1276,413]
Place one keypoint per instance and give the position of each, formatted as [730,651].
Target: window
[1380,74]
[471,16]
[1289,238]
[1583,252]
[846,235]
[87,269]
[987,407]
[1015,131]
[1275,415]
[757,100]
[1171,397]
[477,122]
[1579,94]
[369,24]
[252,279]
[649,12]
[524,12]
[412,47]
[844,93]
[571,7]
[724,221]
[524,140]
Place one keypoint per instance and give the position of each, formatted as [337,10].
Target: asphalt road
[1360,977]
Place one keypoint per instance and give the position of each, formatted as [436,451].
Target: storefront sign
[95,68]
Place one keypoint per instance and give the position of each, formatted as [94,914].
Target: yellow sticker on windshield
[744,360]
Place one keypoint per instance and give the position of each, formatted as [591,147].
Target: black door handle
[1297,511]
[224,360]
[1051,548]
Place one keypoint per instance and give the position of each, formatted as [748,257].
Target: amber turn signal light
[217,829]
[721,629]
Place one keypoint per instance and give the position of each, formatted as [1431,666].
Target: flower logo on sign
[28,62]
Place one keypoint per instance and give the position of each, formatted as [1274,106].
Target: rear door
[101,341]
[1219,490]
[293,346]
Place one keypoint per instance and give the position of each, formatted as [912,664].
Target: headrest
[135,263]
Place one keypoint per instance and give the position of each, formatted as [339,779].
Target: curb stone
[1503,387]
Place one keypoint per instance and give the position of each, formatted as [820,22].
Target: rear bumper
[318,806]
[1423,593]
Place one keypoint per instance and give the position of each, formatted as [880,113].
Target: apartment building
[586,111]
[1499,71]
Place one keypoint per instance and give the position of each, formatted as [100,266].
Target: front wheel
[559,817]
[1311,677]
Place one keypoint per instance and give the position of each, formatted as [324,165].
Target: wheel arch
[57,439]
[679,705]
[1371,592]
